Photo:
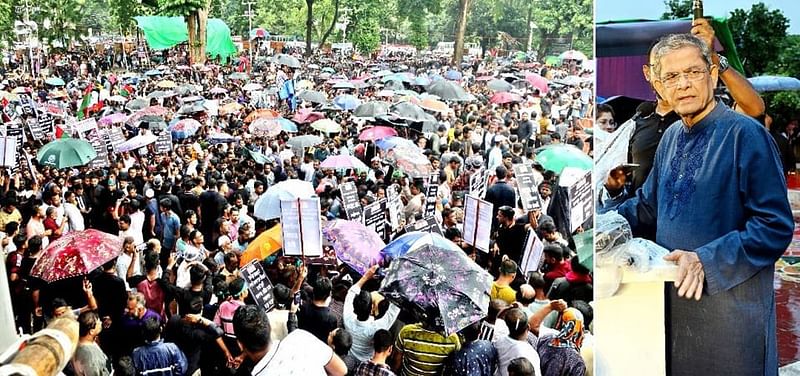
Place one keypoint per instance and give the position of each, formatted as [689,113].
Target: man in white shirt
[358,320]
[74,216]
[515,344]
[300,353]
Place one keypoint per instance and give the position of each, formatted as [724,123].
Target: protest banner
[116,136]
[477,183]
[352,206]
[579,187]
[532,255]
[8,152]
[42,126]
[395,206]
[164,142]
[301,227]
[430,200]
[375,217]
[427,224]
[526,186]
[95,137]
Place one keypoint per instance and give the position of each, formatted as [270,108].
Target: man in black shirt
[510,238]
[315,316]
[500,194]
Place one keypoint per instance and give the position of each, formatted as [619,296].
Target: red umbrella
[307,115]
[376,133]
[484,78]
[537,81]
[76,253]
[505,97]
[147,111]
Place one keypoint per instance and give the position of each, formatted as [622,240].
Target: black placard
[259,285]
[430,200]
[164,142]
[528,191]
[352,206]
[375,217]
[427,224]
[95,137]
[42,127]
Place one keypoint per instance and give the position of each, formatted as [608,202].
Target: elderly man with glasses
[718,194]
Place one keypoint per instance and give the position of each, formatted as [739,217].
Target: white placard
[477,222]
[301,227]
[8,152]
[579,187]
[532,257]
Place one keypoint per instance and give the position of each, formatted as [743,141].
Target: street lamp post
[30,26]
[249,14]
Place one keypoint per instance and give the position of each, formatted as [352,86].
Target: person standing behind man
[718,194]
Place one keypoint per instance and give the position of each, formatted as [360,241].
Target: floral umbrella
[265,127]
[148,111]
[442,280]
[411,161]
[113,119]
[376,133]
[76,253]
[354,244]
[263,112]
[184,128]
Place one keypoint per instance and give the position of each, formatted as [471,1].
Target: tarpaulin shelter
[622,50]
[166,32]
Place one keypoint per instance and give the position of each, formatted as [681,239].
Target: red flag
[5,102]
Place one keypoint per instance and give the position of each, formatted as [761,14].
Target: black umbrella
[448,90]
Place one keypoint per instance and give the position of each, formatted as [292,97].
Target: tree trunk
[309,24]
[196,26]
[202,19]
[191,27]
[461,28]
[529,40]
[333,23]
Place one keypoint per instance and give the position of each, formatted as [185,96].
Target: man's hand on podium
[690,273]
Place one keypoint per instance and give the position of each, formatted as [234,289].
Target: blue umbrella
[346,102]
[393,142]
[774,83]
[453,75]
[414,240]
[421,81]
[287,125]
[153,72]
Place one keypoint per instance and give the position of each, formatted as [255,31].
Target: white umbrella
[252,86]
[137,142]
[268,206]
[326,126]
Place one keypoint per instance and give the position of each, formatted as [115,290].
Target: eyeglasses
[674,79]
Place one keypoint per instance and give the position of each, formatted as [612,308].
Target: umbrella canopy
[453,75]
[54,81]
[343,85]
[421,81]
[304,141]
[113,119]
[484,78]
[230,108]
[346,102]
[448,90]
[184,128]
[372,109]
[384,72]
[153,72]
[774,83]
[288,60]
[262,112]
[307,115]
[329,70]
[572,55]
[499,85]
[376,133]
[537,81]
[411,161]
[304,85]
[287,125]
[66,152]
[414,240]
[241,76]
[218,90]
[431,104]
[137,104]
[313,96]
[258,33]
[167,84]
[343,162]
[268,206]
[137,142]
[584,244]
[393,142]
[504,97]
[265,127]
[394,85]
[326,126]
[556,157]
[76,253]
[263,246]
[440,280]
[354,244]
[159,94]
[410,112]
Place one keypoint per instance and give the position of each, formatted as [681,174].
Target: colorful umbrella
[343,85]
[434,105]
[263,246]
[307,115]
[288,60]
[376,133]
[75,254]
[221,137]
[504,97]
[137,142]
[572,55]
[241,76]
[66,152]
[268,206]
[343,162]
[354,244]
[346,102]
[184,128]
[537,81]
[393,142]
[372,109]
[54,81]
[265,127]
[304,85]
[413,240]
[137,104]
[287,125]
[147,111]
[556,157]
[484,78]
[443,282]
[252,87]
[263,112]
[113,119]
[218,90]
[326,126]
[453,75]
[230,108]
[411,161]
[258,33]
[167,84]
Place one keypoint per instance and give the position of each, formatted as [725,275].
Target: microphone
[644,110]
[697,9]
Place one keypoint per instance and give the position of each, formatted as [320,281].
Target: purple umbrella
[343,162]
[354,244]
[442,280]
[113,119]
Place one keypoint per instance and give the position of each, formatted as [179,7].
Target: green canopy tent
[166,32]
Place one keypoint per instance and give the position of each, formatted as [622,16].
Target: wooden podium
[629,327]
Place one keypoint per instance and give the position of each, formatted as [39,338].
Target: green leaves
[677,9]
[180,7]
[754,29]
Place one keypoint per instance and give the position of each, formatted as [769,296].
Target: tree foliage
[555,18]
[753,30]
[6,19]
[677,9]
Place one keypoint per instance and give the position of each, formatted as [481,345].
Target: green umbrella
[66,152]
[584,243]
[556,157]
[552,60]
[54,81]
[257,157]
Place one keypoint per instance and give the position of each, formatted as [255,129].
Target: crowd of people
[174,302]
